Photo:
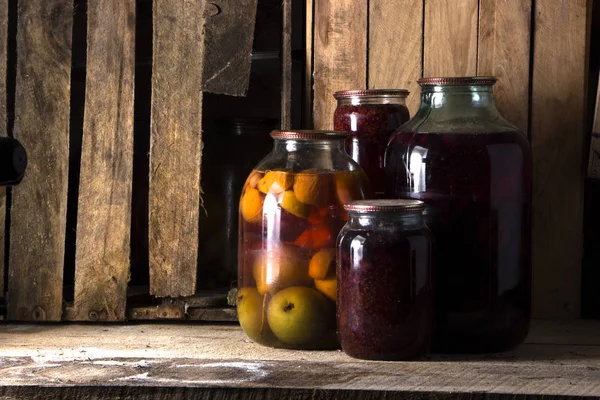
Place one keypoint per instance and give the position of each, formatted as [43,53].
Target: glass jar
[291,211]
[232,147]
[473,169]
[370,117]
[385,289]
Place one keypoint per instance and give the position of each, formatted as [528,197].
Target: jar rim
[456,80]
[304,134]
[384,205]
[345,94]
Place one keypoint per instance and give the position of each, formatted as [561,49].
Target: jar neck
[371,100]
[467,101]
[291,145]
[387,219]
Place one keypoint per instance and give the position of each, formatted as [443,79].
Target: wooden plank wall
[102,257]
[536,49]
[3,123]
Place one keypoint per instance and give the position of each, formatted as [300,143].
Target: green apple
[250,316]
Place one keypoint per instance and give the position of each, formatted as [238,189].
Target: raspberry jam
[370,117]
[478,190]
[385,289]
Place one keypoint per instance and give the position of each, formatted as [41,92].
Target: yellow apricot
[313,188]
[251,205]
[254,178]
[275,182]
[327,286]
[322,264]
[280,268]
[290,203]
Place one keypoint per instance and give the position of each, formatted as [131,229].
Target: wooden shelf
[166,361]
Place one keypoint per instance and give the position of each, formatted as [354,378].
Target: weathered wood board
[218,361]
[340,53]
[503,52]
[38,211]
[104,213]
[286,65]
[396,47]
[176,146]
[557,138]
[450,38]
[228,46]
[3,123]
[594,160]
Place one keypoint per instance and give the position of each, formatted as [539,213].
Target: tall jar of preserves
[291,211]
[473,169]
[370,117]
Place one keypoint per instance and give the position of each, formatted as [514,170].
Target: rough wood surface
[3,122]
[153,361]
[286,65]
[557,137]
[308,60]
[594,161]
[104,213]
[228,43]
[42,125]
[450,38]
[504,48]
[340,54]
[396,47]
[176,146]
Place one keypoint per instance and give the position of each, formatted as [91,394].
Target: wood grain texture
[557,137]
[396,47]
[3,123]
[504,49]
[450,38]
[594,159]
[340,54]
[308,62]
[176,146]
[38,211]
[228,46]
[286,65]
[104,212]
[558,360]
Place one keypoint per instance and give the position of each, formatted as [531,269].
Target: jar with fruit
[291,211]
[473,169]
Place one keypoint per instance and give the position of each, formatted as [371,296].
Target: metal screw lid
[384,205]
[457,80]
[308,135]
[344,94]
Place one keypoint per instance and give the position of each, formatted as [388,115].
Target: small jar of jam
[291,211]
[385,307]
[370,117]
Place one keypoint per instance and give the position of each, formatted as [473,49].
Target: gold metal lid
[308,135]
[400,205]
[457,80]
[345,94]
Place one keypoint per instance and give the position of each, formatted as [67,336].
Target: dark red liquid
[385,294]
[478,187]
[370,127]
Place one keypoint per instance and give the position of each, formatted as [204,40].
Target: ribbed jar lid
[383,205]
[308,135]
[345,94]
[457,80]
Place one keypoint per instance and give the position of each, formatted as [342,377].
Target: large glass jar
[291,212]
[385,288]
[370,117]
[473,169]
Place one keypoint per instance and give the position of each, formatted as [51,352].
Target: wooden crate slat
[308,62]
[594,160]
[38,214]
[286,66]
[504,48]
[557,137]
[3,120]
[396,47]
[104,213]
[450,38]
[228,40]
[175,149]
[340,53]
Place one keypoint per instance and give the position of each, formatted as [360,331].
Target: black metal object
[13,161]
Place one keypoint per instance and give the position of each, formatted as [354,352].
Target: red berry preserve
[370,117]
[473,169]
